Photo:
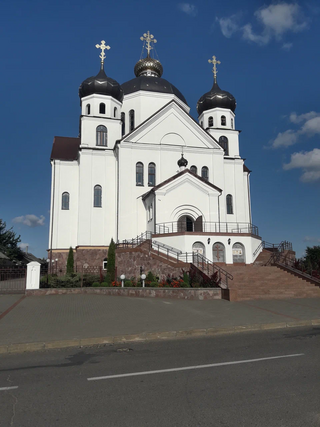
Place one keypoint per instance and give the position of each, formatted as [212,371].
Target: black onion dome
[182,161]
[101,84]
[148,73]
[216,98]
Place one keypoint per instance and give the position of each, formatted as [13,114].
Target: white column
[33,275]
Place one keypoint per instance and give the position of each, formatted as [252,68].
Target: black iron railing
[207,227]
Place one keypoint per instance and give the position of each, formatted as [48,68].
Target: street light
[143,278]
[122,277]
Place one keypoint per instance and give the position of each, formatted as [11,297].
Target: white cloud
[285,139]
[274,20]
[23,246]
[30,220]
[188,8]
[309,128]
[229,25]
[309,162]
[280,18]
[287,46]
[294,118]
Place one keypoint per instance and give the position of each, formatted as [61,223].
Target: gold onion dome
[148,67]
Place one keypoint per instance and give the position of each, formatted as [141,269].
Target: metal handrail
[207,267]
[207,227]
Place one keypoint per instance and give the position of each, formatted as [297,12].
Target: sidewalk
[56,321]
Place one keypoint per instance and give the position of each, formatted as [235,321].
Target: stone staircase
[258,281]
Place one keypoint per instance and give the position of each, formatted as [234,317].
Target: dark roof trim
[172,178]
[65,148]
[245,169]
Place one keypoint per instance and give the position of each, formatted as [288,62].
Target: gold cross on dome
[149,38]
[214,70]
[103,47]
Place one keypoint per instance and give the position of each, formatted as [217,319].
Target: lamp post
[122,277]
[143,278]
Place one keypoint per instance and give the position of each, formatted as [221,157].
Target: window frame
[131,120]
[224,144]
[97,196]
[194,169]
[229,201]
[205,169]
[88,109]
[65,201]
[151,183]
[210,122]
[102,108]
[223,121]
[138,183]
[101,136]
[123,123]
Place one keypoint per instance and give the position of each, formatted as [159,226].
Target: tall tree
[111,266]
[312,258]
[70,262]
[9,242]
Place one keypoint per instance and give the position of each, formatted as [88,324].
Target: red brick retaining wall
[177,293]
[129,261]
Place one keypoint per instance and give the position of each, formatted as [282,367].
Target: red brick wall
[129,261]
[92,256]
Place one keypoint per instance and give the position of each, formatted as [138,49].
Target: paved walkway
[31,323]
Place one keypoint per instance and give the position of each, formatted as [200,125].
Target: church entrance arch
[199,248]
[218,252]
[238,253]
[185,223]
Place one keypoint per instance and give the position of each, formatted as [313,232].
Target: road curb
[151,336]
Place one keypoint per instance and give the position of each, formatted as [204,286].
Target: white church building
[142,163]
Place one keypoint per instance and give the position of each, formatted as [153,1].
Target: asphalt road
[253,379]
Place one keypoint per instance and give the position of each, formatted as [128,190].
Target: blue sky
[269,53]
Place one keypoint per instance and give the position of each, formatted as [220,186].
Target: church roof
[172,178]
[65,148]
[151,84]
[245,169]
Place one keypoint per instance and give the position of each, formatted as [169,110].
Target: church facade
[142,163]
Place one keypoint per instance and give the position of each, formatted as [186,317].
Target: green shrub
[128,284]
[152,284]
[96,285]
[150,277]
[90,279]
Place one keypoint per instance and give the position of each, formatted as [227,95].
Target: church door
[238,253]
[198,224]
[185,223]
[218,252]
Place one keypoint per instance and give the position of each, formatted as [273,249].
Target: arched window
[238,252]
[88,109]
[123,123]
[231,123]
[151,175]
[223,121]
[115,110]
[210,121]
[193,169]
[139,173]
[224,143]
[102,136]
[131,120]
[205,173]
[102,108]
[199,248]
[97,196]
[65,201]
[229,204]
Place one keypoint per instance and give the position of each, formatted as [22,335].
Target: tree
[312,258]
[9,242]
[70,262]
[111,266]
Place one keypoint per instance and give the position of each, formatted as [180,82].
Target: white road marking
[188,368]
[166,302]
[8,388]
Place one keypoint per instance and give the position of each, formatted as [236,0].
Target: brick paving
[72,317]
